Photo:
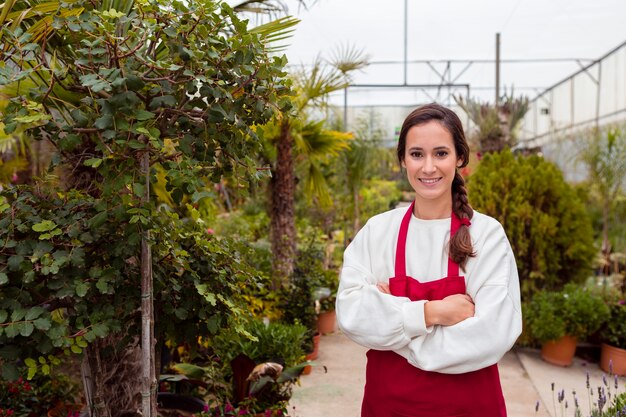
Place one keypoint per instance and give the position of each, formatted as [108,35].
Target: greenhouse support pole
[406,41]
[497,69]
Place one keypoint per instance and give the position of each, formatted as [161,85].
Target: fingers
[383,287]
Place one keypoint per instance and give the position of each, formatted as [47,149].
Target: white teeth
[429,181]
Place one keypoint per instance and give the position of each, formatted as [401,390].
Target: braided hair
[461,243]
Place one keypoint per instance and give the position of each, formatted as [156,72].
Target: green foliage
[496,126]
[170,85]
[544,219]
[37,396]
[272,342]
[378,196]
[300,295]
[613,332]
[573,311]
[60,292]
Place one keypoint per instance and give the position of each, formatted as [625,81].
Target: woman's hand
[451,310]
[383,287]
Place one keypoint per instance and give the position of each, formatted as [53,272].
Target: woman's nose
[429,165]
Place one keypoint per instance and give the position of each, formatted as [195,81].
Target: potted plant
[325,302]
[613,336]
[558,319]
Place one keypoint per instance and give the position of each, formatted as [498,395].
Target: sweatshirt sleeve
[365,314]
[482,340]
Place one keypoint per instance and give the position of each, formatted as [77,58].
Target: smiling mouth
[430,180]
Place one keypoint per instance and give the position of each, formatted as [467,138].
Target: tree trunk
[606,245]
[148,375]
[283,222]
[357,217]
[112,376]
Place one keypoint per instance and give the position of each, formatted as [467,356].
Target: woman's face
[430,160]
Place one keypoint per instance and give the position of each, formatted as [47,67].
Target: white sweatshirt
[386,322]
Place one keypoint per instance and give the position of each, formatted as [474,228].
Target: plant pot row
[561,352]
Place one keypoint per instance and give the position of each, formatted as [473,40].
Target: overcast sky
[462,30]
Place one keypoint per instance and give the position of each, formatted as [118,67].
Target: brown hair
[461,243]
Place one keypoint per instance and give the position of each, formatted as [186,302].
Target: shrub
[573,311]
[613,331]
[544,219]
[274,342]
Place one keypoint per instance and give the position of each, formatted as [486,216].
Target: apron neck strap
[400,267]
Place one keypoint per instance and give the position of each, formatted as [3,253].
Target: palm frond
[316,185]
[319,143]
[275,31]
[347,58]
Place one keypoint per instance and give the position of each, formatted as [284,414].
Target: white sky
[461,30]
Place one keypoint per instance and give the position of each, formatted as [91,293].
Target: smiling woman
[434,342]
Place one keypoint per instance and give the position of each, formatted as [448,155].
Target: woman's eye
[415,154]
[441,154]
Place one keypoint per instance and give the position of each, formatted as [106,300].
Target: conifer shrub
[545,220]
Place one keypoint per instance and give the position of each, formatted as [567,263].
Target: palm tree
[497,127]
[296,136]
[605,157]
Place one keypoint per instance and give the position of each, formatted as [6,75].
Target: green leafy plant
[117,94]
[613,332]
[544,218]
[274,341]
[36,397]
[572,311]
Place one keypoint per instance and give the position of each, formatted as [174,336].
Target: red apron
[395,388]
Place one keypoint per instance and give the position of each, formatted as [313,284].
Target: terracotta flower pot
[614,355]
[327,322]
[560,351]
[316,348]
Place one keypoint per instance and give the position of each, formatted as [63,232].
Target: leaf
[98,220]
[11,330]
[76,349]
[3,280]
[34,313]
[30,362]
[189,370]
[93,162]
[3,316]
[144,115]
[45,369]
[31,373]
[163,101]
[81,289]
[100,329]
[102,285]
[104,122]
[26,329]
[139,189]
[42,323]
[44,226]
[9,371]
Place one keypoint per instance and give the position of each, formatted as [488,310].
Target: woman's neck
[432,209]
